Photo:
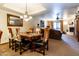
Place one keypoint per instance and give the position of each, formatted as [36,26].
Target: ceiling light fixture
[57,16]
[26,16]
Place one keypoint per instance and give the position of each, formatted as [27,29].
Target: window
[56,25]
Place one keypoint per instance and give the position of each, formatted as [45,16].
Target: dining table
[31,37]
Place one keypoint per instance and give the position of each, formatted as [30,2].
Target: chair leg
[15,47]
[9,43]
[44,53]
[43,50]
[12,47]
[20,48]
[47,47]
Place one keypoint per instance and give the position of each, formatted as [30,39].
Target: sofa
[53,34]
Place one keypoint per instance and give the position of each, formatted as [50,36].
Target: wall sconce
[77,15]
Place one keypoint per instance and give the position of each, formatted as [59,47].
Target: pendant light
[26,16]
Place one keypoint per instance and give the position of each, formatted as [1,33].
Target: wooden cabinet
[77,29]
[61,22]
[77,25]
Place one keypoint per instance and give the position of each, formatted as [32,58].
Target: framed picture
[13,20]
[41,23]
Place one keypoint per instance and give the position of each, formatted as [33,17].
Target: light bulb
[21,17]
[26,19]
[25,16]
[30,17]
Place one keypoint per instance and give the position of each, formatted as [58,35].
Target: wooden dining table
[31,37]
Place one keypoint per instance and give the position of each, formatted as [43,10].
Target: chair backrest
[17,31]
[10,32]
[46,34]
[38,30]
[31,30]
[0,35]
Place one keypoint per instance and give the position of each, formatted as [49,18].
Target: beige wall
[4,28]
[26,25]
[3,25]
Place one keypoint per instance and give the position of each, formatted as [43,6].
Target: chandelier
[26,16]
[57,18]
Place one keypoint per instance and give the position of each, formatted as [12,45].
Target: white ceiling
[40,8]
[21,7]
[40,1]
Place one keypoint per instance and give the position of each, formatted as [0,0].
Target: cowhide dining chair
[21,44]
[17,39]
[11,39]
[42,44]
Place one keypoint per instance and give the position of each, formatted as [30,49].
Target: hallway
[71,41]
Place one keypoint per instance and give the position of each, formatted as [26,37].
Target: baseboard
[4,43]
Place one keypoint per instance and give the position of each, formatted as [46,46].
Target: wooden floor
[68,46]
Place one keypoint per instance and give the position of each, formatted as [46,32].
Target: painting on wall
[13,20]
[41,23]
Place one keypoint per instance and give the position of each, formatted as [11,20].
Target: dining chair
[11,39]
[42,44]
[1,32]
[17,31]
[21,44]
[38,30]
[17,39]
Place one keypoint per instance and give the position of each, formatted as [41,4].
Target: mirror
[13,20]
